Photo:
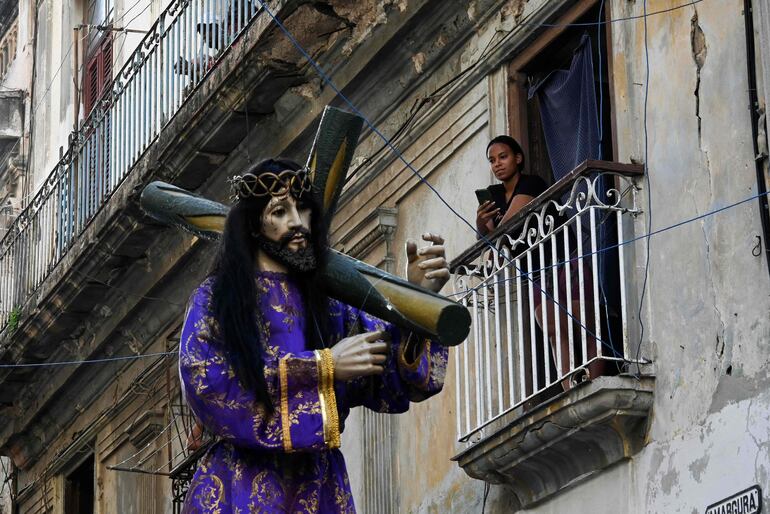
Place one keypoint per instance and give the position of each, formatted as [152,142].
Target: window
[554,50]
[98,74]
[79,488]
[560,101]
[8,48]
[97,149]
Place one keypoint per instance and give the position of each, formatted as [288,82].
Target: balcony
[157,82]
[551,384]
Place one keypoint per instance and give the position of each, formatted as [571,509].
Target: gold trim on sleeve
[285,420]
[328,398]
[321,396]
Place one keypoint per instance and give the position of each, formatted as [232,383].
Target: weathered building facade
[676,419]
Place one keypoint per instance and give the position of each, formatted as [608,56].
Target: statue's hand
[360,355]
[427,267]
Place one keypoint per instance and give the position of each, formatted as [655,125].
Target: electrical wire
[411,168]
[86,361]
[26,198]
[48,89]
[59,456]
[649,187]
[645,236]
[35,108]
[125,13]
[486,494]
[388,143]
[487,50]
[125,34]
[616,20]
[421,102]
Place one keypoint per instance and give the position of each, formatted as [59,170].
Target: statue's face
[286,221]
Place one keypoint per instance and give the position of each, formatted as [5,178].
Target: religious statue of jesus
[271,367]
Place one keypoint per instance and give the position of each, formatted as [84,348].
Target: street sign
[748,501]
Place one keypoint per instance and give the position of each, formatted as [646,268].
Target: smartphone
[483,195]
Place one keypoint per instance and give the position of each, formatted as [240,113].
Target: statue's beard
[299,261]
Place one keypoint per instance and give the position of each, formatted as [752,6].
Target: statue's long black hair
[234,291]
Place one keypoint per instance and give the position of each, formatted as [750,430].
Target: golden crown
[267,183]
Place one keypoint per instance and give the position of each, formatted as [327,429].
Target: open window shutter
[106,51]
[106,84]
[91,86]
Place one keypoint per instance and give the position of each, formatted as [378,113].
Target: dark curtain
[568,111]
[570,118]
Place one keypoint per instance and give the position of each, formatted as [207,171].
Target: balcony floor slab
[564,440]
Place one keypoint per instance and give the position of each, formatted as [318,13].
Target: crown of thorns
[266,183]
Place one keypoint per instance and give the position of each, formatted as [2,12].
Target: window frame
[72,495]
[518,118]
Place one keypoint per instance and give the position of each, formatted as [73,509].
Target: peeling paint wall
[706,306]
[707,300]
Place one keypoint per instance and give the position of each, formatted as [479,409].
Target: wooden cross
[342,277]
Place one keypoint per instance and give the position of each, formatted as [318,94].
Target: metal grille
[379,493]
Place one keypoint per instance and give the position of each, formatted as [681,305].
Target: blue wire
[93,361]
[627,241]
[411,168]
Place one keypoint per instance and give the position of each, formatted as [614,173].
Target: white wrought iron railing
[173,58]
[549,304]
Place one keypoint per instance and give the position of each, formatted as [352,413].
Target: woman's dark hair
[510,143]
[234,293]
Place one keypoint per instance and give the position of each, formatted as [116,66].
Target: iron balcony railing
[549,304]
[172,59]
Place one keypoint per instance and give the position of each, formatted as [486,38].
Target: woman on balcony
[515,190]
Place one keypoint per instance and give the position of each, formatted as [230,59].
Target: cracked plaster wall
[707,301]
[706,305]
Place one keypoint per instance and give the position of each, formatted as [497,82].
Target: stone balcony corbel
[564,440]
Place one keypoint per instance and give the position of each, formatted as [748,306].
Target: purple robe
[288,461]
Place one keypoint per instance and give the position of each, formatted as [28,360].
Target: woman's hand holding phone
[485,214]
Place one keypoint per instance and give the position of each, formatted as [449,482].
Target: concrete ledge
[565,440]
